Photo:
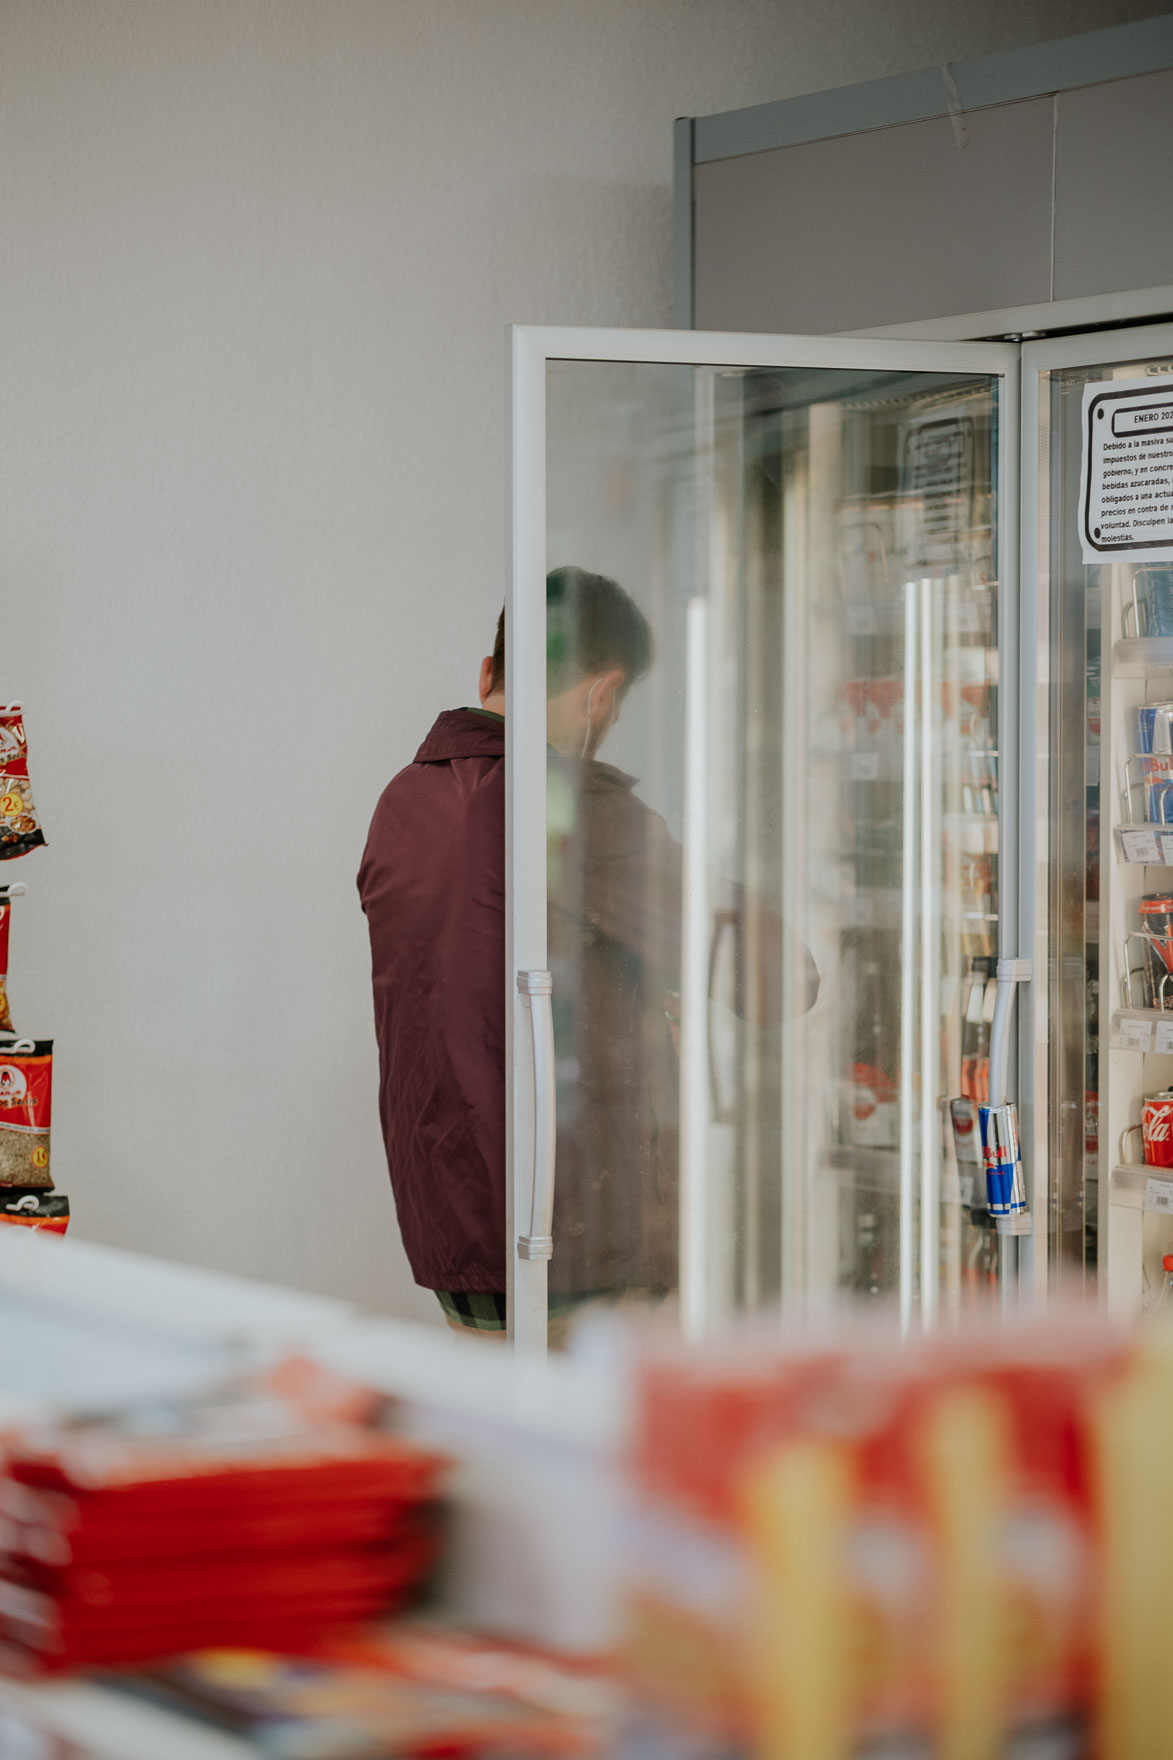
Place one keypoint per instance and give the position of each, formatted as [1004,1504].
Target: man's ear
[610,692]
[486,684]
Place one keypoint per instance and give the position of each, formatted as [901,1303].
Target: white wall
[256,257]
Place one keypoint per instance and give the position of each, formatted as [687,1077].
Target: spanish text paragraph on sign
[1126,471]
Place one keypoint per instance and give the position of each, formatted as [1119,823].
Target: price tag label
[1163,1036]
[1158,1195]
[1140,846]
[865,766]
[1136,1035]
[1165,839]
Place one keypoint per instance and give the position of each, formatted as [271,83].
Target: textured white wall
[256,257]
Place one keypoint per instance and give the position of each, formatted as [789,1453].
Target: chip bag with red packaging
[7,894]
[19,829]
[26,1094]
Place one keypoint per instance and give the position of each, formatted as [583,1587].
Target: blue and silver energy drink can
[1156,591]
[1002,1160]
[1154,745]
[1154,727]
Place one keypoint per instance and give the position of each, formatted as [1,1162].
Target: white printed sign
[1163,1036]
[1158,1195]
[1139,846]
[1135,1035]
[1126,471]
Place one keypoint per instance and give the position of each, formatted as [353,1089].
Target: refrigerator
[827,850]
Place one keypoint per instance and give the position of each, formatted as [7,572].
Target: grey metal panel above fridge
[985,198]
[1113,194]
[876,228]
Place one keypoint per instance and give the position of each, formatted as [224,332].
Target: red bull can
[1154,743]
[1002,1160]
[1154,727]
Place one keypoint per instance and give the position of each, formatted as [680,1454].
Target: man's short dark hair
[592,625]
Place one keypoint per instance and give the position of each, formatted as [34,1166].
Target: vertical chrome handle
[1010,974]
[539,1242]
[695,1195]
[931,881]
[909,903]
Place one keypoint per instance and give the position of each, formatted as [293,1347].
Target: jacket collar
[469,733]
[463,733]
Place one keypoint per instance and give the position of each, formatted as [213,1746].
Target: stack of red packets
[243,1521]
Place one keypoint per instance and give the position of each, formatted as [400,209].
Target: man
[432,886]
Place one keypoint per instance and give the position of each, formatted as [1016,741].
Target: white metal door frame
[529,351]
[1107,348]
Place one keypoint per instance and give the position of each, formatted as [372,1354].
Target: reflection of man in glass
[432,886]
[614,950]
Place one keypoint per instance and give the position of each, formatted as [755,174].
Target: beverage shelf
[879,1169]
[1149,846]
[1143,1188]
[876,1168]
[1142,1029]
[881,907]
[880,611]
[1143,657]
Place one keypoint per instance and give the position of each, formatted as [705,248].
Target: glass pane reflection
[771,969]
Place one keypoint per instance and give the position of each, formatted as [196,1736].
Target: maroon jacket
[432,885]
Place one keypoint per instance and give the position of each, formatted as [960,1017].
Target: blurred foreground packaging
[841,1547]
[261,1514]
[960,1548]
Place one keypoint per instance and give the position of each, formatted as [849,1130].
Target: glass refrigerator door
[1103,891]
[758,855]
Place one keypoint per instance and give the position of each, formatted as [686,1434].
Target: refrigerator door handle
[1010,974]
[723,1112]
[539,1242]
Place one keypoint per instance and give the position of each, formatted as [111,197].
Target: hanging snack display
[7,893]
[19,830]
[26,1092]
[47,1211]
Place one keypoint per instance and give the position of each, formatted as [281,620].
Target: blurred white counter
[536,1488]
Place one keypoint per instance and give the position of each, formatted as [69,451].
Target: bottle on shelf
[869,1269]
[872,1112]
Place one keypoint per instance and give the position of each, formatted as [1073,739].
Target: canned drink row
[1154,755]
[1002,1160]
[1156,1130]
[1154,971]
[1152,602]
[1154,727]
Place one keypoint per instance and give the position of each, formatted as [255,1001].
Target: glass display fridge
[795,816]
[1102,599]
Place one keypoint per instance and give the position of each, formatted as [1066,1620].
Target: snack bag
[26,1092]
[6,895]
[19,831]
